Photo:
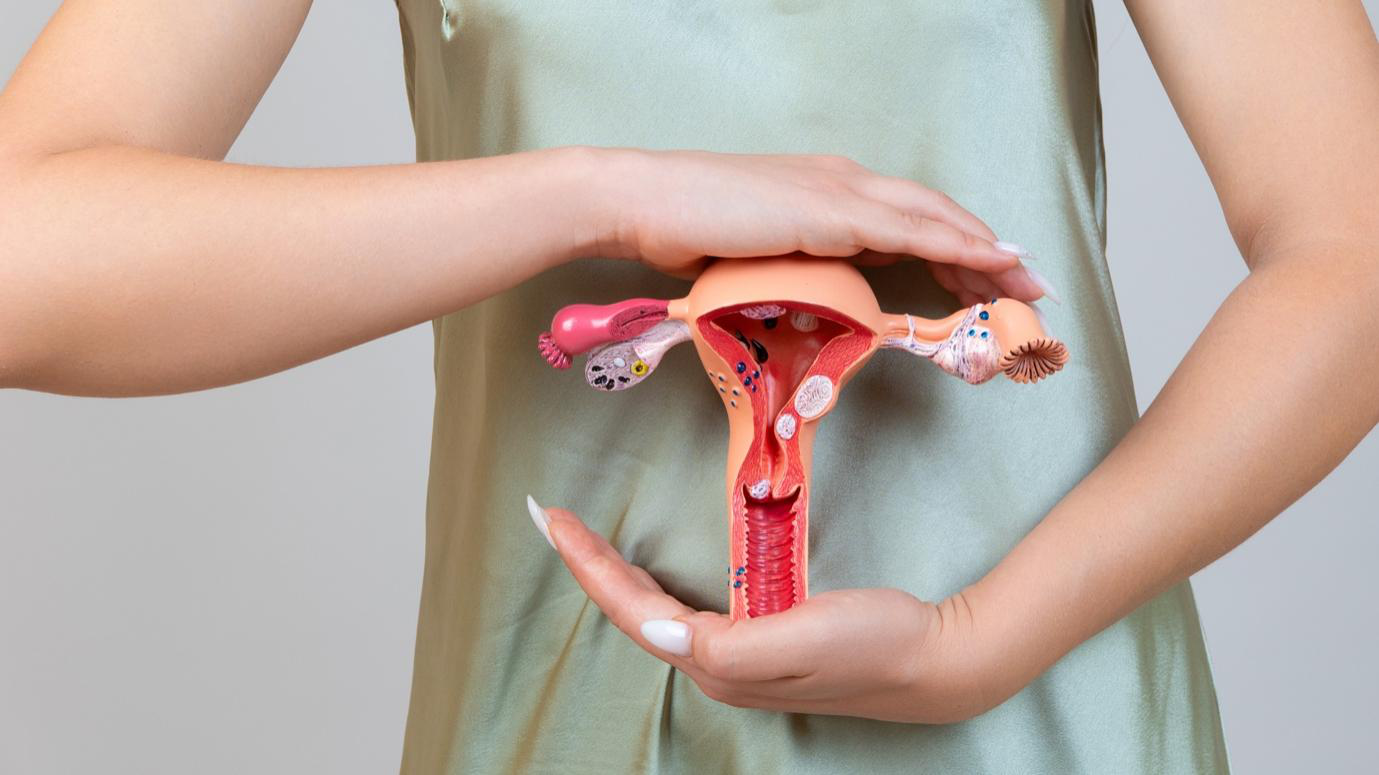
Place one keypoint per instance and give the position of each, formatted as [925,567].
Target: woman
[1063,637]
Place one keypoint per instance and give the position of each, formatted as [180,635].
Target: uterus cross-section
[778,339]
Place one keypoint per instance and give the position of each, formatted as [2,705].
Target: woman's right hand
[673,209]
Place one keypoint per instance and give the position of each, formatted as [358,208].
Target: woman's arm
[133,260]
[1281,100]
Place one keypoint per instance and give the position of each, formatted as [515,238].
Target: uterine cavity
[787,367]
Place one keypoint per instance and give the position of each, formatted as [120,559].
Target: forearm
[128,271]
[1279,387]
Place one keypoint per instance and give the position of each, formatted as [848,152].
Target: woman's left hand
[874,653]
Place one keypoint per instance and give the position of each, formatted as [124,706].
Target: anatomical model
[778,339]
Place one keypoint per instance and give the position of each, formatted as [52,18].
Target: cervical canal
[771,534]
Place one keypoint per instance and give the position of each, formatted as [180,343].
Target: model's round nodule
[785,426]
[813,396]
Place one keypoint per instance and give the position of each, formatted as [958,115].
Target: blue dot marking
[985,315]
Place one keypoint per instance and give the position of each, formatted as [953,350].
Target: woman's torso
[994,103]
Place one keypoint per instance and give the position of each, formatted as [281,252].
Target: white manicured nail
[542,520]
[1011,247]
[1044,285]
[668,635]
[1039,313]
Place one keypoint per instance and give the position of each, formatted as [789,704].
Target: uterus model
[778,339]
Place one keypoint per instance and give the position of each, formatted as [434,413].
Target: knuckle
[620,621]
[832,160]
[915,191]
[736,700]
[810,241]
[713,690]
[718,659]
[970,244]
[723,693]
[915,221]
[855,239]
[838,163]
[839,236]
[827,187]
[601,565]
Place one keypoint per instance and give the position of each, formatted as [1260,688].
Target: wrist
[963,659]
[1014,637]
[597,183]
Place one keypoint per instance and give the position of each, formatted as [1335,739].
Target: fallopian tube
[778,339]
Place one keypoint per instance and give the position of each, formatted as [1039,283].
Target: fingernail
[541,518]
[1044,285]
[668,635]
[1039,313]
[1011,247]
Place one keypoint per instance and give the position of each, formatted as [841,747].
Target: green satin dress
[994,103]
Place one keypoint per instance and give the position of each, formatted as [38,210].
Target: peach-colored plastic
[778,339]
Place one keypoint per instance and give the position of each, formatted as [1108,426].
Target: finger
[746,694]
[690,270]
[873,258]
[943,274]
[900,193]
[646,579]
[977,283]
[643,577]
[878,706]
[1023,283]
[830,162]
[910,196]
[637,571]
[885,229]
[610,580]
[785,644]
[802,694]
[922,206]
[970,285]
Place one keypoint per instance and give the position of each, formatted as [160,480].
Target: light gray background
[227,581]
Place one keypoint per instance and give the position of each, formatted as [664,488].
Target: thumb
[758,649]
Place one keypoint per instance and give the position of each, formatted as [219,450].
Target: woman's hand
[874,653]
[672,209]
